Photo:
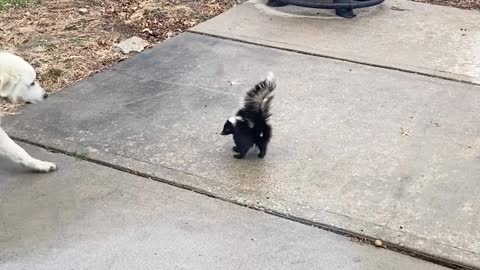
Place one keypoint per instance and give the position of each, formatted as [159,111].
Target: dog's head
[18,80]
[229,126]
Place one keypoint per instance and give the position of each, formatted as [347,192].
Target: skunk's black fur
[250,125]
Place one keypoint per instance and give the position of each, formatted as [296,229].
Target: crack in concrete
[337,58]
[339,231]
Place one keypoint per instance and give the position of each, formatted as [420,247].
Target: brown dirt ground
[66,44]
[68,40]
[465,4]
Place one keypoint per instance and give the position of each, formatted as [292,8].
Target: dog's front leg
[10,150]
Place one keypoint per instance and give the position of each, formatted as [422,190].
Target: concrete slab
[91,217]
[340,154]
[401,34]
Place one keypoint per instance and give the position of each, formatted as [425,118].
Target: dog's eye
[33,83]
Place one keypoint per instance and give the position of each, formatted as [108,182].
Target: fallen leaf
[405,132]
[234,82]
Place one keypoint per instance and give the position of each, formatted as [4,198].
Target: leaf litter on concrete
[68,40]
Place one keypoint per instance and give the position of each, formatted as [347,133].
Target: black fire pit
[343,8]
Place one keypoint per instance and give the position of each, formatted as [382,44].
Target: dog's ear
[7,83]
[5,78]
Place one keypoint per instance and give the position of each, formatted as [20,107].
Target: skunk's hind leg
[262,146]
[263,141]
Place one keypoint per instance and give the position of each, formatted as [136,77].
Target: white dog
[18,83]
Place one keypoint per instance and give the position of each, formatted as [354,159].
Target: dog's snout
[45,96]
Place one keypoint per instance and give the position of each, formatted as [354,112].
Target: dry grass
[67,44]
[15,3]
[68,40]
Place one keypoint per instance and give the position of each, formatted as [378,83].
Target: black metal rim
[350,5]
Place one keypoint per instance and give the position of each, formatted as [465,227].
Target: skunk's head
[229,126]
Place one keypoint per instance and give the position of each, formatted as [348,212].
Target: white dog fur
[18,83]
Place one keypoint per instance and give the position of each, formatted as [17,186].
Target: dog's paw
[44,167]
[261,155]
[235,149]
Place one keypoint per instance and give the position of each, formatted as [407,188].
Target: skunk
[250,125]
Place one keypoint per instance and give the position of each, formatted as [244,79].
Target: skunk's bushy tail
[259,98]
